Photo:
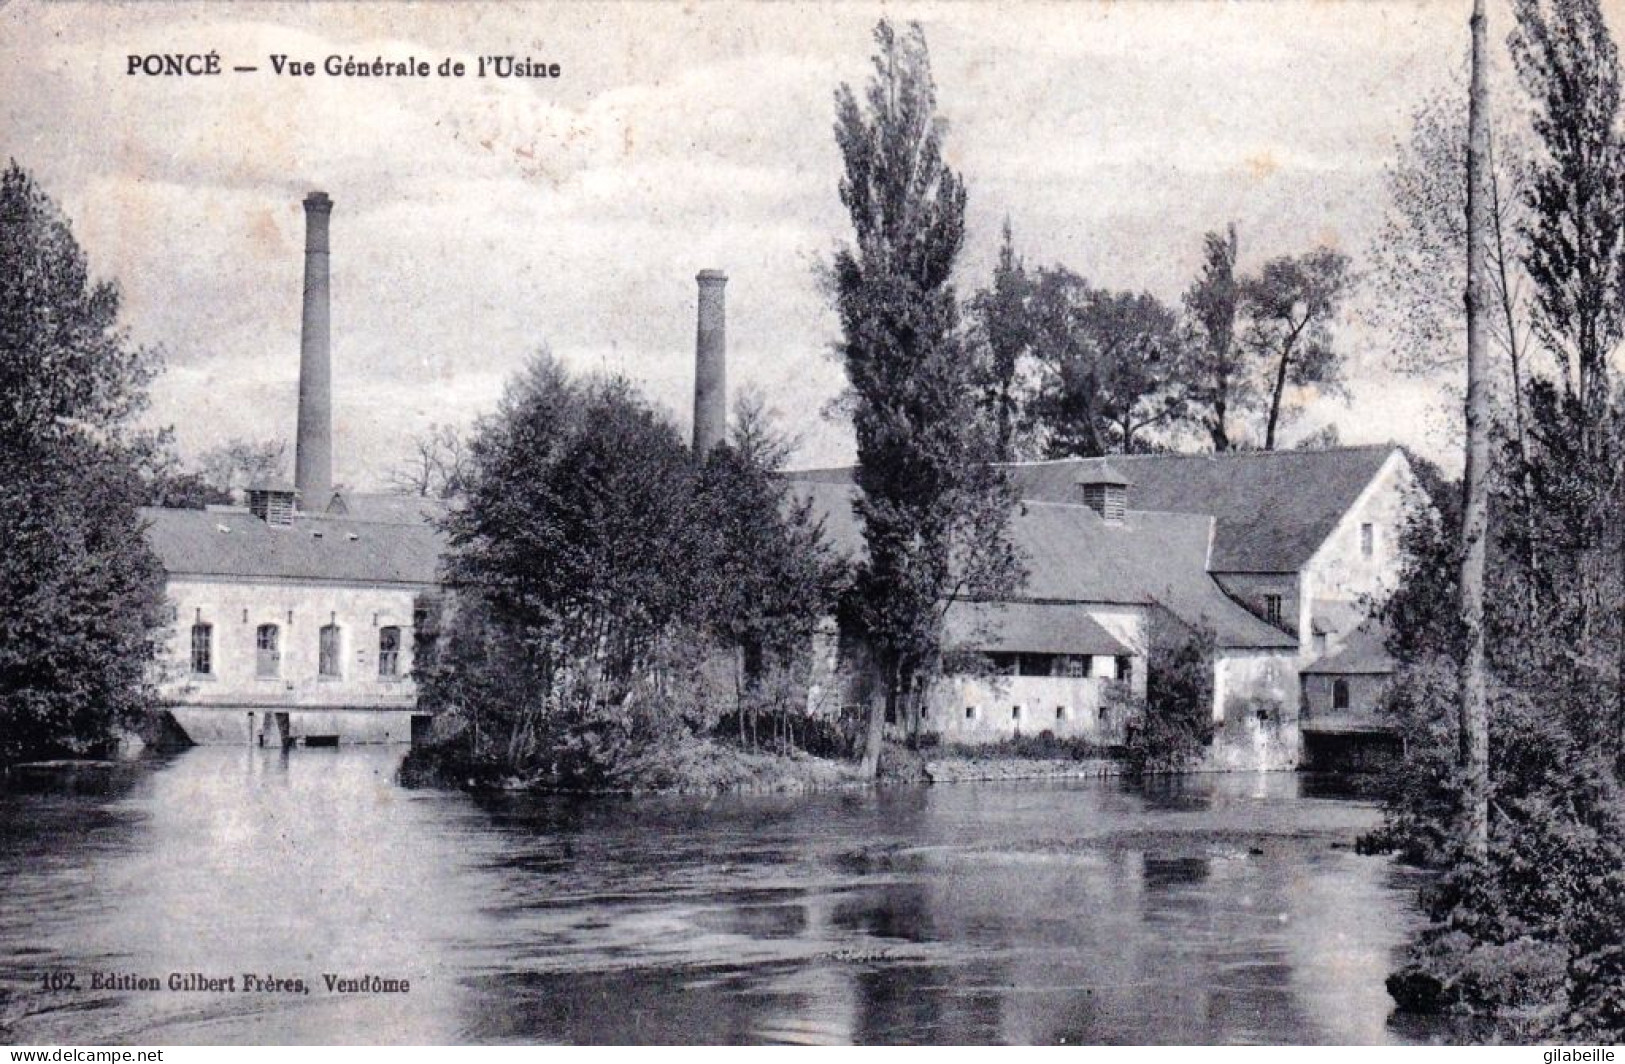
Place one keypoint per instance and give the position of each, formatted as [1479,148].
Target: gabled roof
[1072,555]
[235,543]
[1364,653]
[1273,509]
[1028,627]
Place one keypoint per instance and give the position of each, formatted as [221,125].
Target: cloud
[477,220]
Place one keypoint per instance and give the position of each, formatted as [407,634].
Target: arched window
[329,657]
[202,649]
[267,651]
[1340,694]
[389,651]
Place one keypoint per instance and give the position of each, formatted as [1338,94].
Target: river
[1213,909]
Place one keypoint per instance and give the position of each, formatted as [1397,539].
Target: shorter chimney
[1105,490]
[710,364]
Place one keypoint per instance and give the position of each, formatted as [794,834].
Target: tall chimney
[711,364]
[313,448]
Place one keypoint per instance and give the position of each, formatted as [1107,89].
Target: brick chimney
[313,447]
[711,364]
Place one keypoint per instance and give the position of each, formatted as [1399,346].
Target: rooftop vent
[272,503]
[1105,490]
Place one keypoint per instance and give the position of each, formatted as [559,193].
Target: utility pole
[1473,732]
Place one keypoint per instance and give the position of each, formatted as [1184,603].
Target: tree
[80,592]
[1419,257]
[1004,335]
[239,463]
[933,510]
[1574,240]
[1473,713]
[1576,192]
[599,574]
[1107,361]
[769,577]
[1420,265]
[1290,307]
[437,467]
[1216,368]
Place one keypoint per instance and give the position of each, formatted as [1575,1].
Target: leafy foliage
[1290,307]
[1108,366]
[933,509]
[612,596]
[80,593]
[1217,384]
[1176,721]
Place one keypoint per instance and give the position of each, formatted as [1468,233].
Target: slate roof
[1273,508]
[1073,556]
[1363,653]
[398,509]
[235,543]
[1031,627]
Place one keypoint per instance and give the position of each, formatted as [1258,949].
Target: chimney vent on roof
[272,503]
[1105,490]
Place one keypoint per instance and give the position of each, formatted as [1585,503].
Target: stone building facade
[292,627]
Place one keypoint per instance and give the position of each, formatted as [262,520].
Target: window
[1340,694]
[1015,713]
[1125,667]
[1105,714]
[1060,712]
[267,651]
[1368,539]
[328,659]
[1272,608]
[1035,665]
[202,649]
[1077,665]
[389,651]
[925,714]
[970,712]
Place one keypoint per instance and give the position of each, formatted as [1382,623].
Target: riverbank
[705,766]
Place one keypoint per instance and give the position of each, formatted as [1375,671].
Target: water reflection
[1205,909]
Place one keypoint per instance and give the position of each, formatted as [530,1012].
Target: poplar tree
[932,507]
[1216,366]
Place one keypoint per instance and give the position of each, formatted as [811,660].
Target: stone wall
[1255,697]
[235,610]
[1341,581]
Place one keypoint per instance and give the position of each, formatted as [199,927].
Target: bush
[1534,930]
[1045,746]
[1175,723]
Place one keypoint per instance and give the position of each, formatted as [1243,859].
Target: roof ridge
[1214,456]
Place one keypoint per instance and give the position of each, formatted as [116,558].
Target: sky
[477,221]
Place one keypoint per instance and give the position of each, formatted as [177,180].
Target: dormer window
[272,503]
[1105,491]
